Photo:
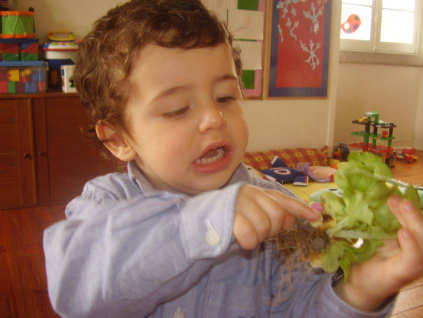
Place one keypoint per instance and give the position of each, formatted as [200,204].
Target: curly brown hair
[107,54]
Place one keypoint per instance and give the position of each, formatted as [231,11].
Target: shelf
[49,93]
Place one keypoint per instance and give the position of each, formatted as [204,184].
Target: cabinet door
[17,169]
[67,158]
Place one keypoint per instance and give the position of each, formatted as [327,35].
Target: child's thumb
[410,259]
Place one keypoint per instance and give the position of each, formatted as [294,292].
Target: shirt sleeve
[111,255]
[328,302]
[312,296]
[299,291]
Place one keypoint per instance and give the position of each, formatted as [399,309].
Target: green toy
[17,24]
[374,130]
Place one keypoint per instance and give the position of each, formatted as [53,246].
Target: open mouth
[211,156]
[214,158]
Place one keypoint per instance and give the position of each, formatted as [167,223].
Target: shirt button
[179,313]
[212,237]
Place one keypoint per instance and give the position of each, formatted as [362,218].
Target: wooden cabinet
[17,170]
[45,156]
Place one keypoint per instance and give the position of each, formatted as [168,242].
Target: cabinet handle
[27,156]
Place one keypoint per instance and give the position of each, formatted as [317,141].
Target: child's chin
[211,184]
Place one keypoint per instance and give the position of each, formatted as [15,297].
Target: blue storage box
[24,77]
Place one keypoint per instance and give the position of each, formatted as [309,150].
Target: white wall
[287,123]
[419,115]
[392,91]
[66,15]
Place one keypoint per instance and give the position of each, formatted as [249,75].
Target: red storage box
[19,49]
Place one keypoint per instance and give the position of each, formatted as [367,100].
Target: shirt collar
[241,175]
[137,176]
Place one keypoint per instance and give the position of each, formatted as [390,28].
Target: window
[380,26]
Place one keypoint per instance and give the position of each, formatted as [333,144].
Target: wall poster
[299,48]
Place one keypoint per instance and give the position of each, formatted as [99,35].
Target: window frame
[404,52]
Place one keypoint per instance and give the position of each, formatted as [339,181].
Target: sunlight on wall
[392,91]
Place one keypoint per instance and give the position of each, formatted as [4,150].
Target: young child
[182,233]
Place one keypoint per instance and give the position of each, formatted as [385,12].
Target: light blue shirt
[127,249]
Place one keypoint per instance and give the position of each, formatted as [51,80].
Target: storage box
[17,24]
[19,50]
[54,75]
[61,50]
[9,51]
[23,77]
[29,50]
[67,78]
[58,53]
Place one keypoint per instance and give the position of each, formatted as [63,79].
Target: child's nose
[211,118]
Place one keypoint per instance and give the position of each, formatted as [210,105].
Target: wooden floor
[23,289]
[23,292]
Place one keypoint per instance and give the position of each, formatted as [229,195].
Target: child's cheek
[176,140]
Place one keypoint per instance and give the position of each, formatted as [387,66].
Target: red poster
[300,48]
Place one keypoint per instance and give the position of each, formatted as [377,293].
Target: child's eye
[176,113]
[225,99]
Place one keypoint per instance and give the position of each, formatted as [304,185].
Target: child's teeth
[211,156]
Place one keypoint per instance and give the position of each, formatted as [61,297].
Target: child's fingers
[262,213]
[260,220]
[288,222]
[262,210]
[275,212]
[409,262]
[409,217]
[294,206]
[413,225]
[394,203]
[244,232]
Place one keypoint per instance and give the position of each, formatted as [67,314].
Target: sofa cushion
[291,156]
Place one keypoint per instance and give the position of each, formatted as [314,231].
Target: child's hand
[396,264]
[262,213]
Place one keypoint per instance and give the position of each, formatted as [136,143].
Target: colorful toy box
[66,72]
[17,24]
[63,50]
[54,73]
[29,50]
[19,50]
[57,54]
[23,77]
[9,51]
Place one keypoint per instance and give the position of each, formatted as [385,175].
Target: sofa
[291,156]
[260,160]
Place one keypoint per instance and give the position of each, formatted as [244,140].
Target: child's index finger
[409,217]
[295,206]
[412,218]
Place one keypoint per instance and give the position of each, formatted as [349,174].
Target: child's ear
[115,141]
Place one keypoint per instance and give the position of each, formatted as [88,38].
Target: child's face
[184,117]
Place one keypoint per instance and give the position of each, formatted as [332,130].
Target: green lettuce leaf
[361,213]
